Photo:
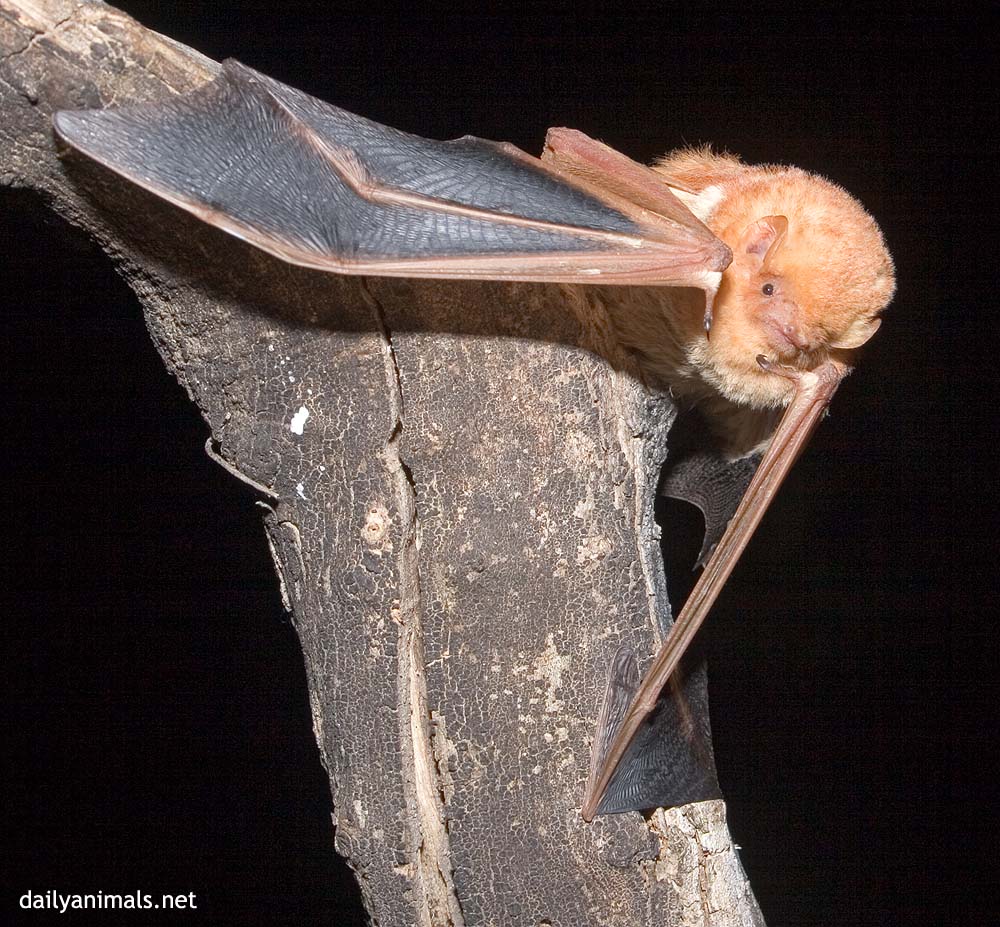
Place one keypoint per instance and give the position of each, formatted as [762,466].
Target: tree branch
[459,481]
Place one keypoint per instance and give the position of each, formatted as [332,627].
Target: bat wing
[669,761]
[617,747]
[699,473]
[713,484]
[320,187]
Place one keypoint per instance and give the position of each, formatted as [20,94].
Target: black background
[161,737]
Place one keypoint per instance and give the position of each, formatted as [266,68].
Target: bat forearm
[813,392]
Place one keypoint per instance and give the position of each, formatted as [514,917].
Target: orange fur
[830,271]
[696,168]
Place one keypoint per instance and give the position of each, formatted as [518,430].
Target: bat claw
[709,306]
[782,370]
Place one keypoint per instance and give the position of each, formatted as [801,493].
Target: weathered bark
[460,482]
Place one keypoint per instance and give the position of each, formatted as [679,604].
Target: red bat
[767,278]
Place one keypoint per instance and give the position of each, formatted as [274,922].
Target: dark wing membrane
[697,471]
[713,484]
[669,762]
[661,769]
[321,187]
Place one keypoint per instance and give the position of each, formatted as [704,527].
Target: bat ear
[763,237]
[857,334]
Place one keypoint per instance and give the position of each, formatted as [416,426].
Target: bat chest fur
[662,328]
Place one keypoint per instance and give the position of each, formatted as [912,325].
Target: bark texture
[459,482]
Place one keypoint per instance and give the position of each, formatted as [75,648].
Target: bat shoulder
[696,168]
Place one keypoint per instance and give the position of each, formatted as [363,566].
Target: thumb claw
[782,370]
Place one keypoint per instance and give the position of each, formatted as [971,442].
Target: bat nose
[781,323]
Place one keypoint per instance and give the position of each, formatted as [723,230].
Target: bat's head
[809,278]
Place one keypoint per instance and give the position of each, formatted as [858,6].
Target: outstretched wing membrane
[321,187]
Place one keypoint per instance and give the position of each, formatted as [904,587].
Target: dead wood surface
[460,482]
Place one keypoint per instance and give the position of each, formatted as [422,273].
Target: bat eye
[767,289]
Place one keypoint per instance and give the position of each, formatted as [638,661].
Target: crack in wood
[429,841]
[646,533]
[39,21]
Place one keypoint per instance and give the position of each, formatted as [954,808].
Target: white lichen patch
[591,551]
[579,449]
[548,668]
[301,490]
[359,811]
[376,525]
[585,507]
[299,420]
[547,526]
